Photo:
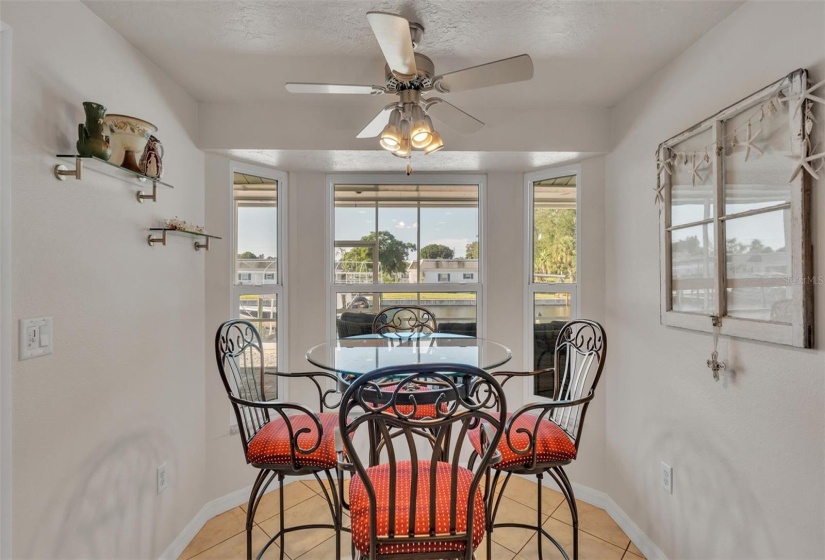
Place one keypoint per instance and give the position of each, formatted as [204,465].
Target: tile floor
[223,536]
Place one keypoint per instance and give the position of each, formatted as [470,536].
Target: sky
[258,230]
[769,228]
[456,227]
[453,227]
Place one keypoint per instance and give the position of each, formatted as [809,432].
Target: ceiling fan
[405,124]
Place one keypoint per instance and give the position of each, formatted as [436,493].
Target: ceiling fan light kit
[391,135]
[406,125]
[403,150]
[435,144]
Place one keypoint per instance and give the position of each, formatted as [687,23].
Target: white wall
[225,126]
[589,467]
[123,390]
[5,291]
[747,452]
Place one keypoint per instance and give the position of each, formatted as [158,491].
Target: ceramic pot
[128,137]
[151,164]
[91,136]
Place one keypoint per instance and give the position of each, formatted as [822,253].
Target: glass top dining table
[357,355]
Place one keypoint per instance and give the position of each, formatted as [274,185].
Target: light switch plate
[36,337]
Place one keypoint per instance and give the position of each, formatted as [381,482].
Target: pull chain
[713,363]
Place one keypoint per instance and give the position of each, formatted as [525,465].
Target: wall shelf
[165,231]
[62,172]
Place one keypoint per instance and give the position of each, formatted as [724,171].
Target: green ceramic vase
[92,141]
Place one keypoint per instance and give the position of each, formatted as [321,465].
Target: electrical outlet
[35,337]
[667,478]
[163,481]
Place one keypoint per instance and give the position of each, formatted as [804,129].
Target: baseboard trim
[602,500]
[207,512]
[210,510]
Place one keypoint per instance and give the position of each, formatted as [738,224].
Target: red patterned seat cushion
[271,445]
[380,478]
[552,444]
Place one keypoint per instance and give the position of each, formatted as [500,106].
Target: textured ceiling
[379,160]
[585,53]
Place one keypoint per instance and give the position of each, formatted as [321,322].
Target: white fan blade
[455,117]
[393,34]
[506,71]
[377,124]
[293,87]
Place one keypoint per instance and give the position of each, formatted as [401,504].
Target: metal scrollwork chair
[542,437]
[354,324]
[280,439]
[427,506]
[404,319]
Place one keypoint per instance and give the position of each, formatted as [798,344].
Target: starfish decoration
[807,94]
[660,192]
[664,165]
[748,143]
[660,185]
[696,174]
[804,161]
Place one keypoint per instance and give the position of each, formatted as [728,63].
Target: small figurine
[151,162]
[91,138]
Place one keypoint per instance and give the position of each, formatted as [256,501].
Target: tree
[734,247]
[472,250]
[757,247]
[436,251]
[249,255]
[689,245]
[554,242]
[392,254]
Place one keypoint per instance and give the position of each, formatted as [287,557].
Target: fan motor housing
[425,70]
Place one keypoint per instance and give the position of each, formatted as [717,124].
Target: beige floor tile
[498,553]
[590,547]
[500,481]
[630,556]
[513,512]
[633,550]
[595,521]
[294,493]
[326,550]
[235,548]
[313,485]
[524,492]
[216,530]
[312,510]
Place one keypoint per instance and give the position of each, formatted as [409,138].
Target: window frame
[533,288]
[800,333]
[393,179]
[280,288]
